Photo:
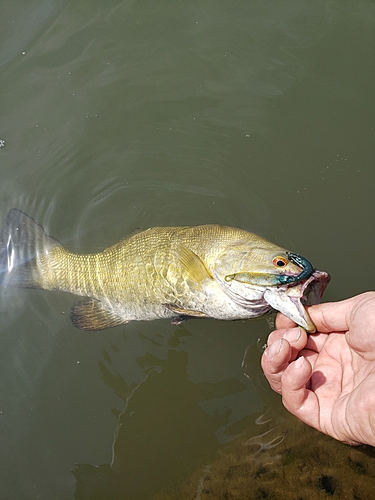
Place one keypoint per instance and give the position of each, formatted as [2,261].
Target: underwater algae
[305,465]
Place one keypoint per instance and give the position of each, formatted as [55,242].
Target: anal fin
[90,314]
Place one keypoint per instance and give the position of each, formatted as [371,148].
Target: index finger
[283,321]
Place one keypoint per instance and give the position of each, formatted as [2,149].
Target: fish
[173,272]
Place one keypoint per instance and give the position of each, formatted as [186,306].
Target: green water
[123,115]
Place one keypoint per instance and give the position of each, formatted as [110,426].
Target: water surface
[123,115]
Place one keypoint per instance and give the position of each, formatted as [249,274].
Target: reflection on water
[122,115]
[266,441]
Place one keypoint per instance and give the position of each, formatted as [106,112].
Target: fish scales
[139,261]
[162,272]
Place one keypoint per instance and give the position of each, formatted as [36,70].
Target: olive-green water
[116,115]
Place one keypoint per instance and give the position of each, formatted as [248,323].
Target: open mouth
[291,300]
[313,288]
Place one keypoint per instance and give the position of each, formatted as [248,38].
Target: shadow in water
[162,435]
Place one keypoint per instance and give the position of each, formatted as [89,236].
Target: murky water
[120,115]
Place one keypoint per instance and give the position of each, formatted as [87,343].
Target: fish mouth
[291,299]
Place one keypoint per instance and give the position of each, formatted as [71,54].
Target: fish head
[264,277]
[260,264]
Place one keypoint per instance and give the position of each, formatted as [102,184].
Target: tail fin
[23,247]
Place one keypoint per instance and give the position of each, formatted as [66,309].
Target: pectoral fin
[90,314]
[192,265]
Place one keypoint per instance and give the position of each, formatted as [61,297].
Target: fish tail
[23,247]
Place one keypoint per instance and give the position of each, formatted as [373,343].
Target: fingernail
[274,348]
[293,335]
[299,362]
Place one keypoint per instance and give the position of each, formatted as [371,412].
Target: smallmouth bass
[208,271]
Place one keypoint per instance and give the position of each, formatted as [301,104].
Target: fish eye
[280,261]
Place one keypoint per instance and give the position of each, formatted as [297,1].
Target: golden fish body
[163,272]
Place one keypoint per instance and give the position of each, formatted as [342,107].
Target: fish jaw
[290,305]
[290,300]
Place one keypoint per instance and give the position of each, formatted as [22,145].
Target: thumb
[354,316]
[333,316]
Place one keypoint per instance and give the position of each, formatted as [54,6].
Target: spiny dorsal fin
[90,314]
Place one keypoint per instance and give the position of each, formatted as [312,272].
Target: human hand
[327,379]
